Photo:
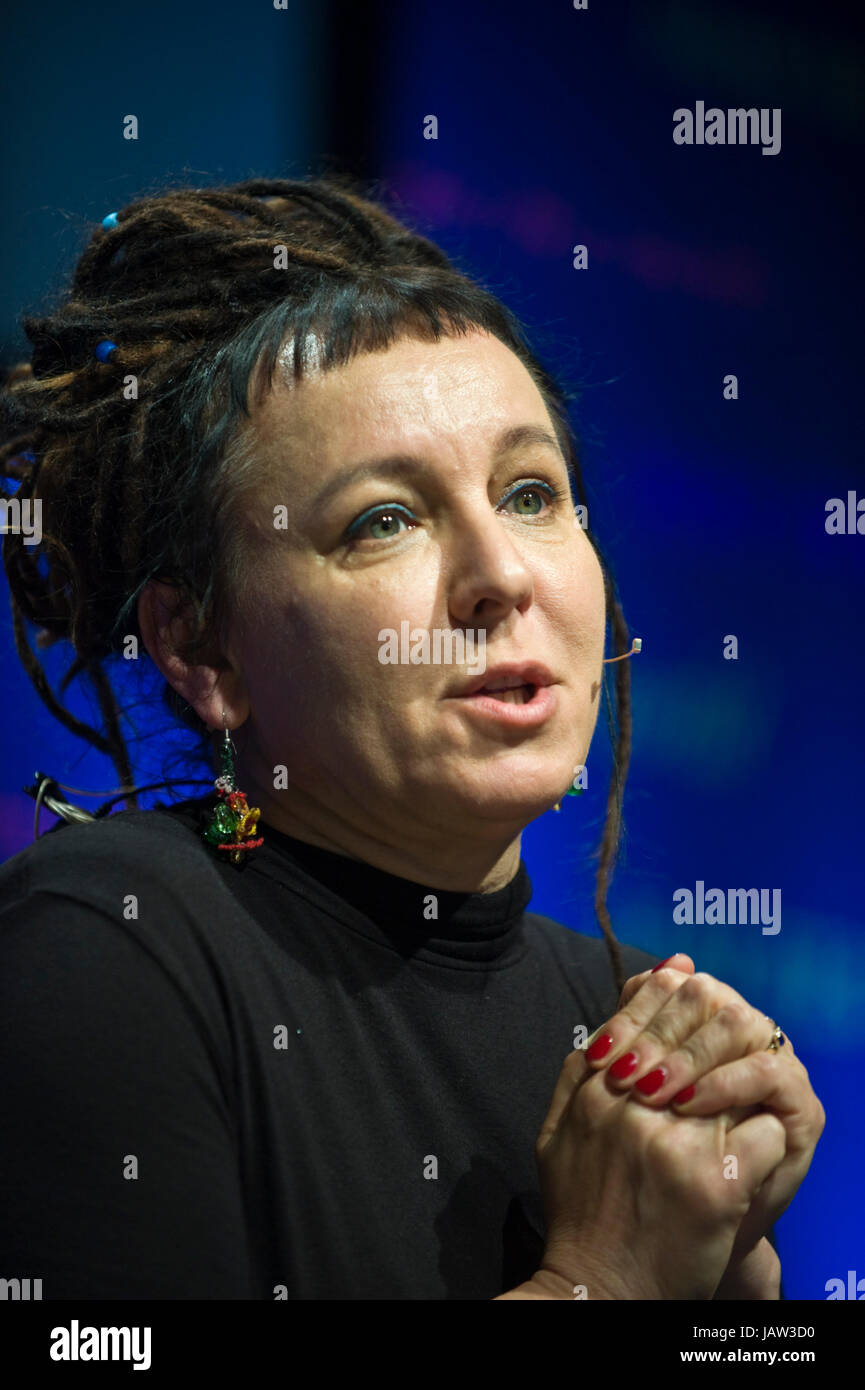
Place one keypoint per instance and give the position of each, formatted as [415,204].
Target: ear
[213,685]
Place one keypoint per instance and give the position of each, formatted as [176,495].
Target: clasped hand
[676,1031]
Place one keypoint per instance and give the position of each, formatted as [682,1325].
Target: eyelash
[554,492]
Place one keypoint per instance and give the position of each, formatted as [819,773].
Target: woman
[300,1038]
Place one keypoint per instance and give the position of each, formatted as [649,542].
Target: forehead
[417,389]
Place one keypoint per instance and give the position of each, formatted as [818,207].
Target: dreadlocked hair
[139,460]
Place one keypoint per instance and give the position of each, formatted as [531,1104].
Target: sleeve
[118,1161]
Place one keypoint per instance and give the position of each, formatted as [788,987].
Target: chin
[522,798]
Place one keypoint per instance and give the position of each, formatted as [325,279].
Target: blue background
[555,128]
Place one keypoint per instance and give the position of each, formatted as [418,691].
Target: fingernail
[599,1048]
[651,1082]
[660,963]
[684,1096]
[624,1066]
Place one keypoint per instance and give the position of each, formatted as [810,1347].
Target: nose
[487,574]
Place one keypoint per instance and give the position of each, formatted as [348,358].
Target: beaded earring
[232,823]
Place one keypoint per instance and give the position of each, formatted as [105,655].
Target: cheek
[575,595]
[355,613]
[315,655]
[591,597]
[596,601]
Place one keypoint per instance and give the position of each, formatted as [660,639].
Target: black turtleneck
[303,1078]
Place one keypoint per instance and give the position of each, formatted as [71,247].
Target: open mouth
[514,695]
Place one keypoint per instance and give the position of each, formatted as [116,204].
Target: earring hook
[227,740]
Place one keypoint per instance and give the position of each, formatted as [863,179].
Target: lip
[522,673]
[542,705]
[536,711]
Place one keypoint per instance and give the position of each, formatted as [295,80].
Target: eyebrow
[398,465]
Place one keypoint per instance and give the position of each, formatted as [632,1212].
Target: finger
[758,1145]
[611,1039]
[731,1115]
[679,961]
[671,1094]
[735,1114]
[734,1030]
[573,1070]
[768,1079]
[641,1050]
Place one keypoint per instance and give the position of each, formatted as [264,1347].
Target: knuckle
[662,1030]
[668,981]
[694,1050]
[627,1015]
[769,1061]
[730,1017]
[696,987]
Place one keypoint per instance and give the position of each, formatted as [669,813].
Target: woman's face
[443,539]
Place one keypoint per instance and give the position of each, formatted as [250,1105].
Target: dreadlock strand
[613,821]
[110,713]
[40,682]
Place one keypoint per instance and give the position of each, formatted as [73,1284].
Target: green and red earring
[232,823]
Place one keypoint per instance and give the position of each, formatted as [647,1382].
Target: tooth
[515,695]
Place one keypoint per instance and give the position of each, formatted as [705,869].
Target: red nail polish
[660,963]
[599,1048]
[651,1082]
[624,1066]
[683,1097]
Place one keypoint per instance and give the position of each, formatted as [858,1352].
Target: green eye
[535,490]
[529,494]
[386,517]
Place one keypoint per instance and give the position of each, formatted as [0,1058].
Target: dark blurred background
[555,129]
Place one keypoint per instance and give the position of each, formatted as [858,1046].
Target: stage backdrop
[523,134]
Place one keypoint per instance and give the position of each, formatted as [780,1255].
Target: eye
[385,517]
[535,491]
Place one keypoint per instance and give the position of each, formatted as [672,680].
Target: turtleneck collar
[468,930]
